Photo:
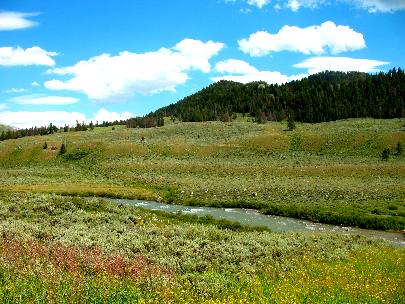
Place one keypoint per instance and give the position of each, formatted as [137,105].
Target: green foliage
[62,149]
[160,120]
[318,169]
[398,149]
[385,154]
[375,219]
[290,123]
[296,142]
[326,96]
[57,249]
[207,219]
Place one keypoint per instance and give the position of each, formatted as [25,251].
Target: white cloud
[380,5]
[372,6]
[295,5]
[35,99]
[258,3]
[104,115]
[26,119]
[235,66]
[343,64]
[2,107]
[15,21]
[15,90]
[35,84]
[310,40]
[109,78]
[247,73]
[10,56]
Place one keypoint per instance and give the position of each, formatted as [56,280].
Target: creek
[254,218]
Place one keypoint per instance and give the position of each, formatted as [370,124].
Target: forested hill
[321,97]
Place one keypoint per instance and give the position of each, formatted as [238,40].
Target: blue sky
[68,60]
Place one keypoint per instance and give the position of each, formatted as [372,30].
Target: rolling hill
[326,96]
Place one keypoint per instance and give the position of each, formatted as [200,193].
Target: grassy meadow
[329,172]
[61,242]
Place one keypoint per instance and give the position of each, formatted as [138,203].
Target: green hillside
[326,96]
[329,172]
[60,240]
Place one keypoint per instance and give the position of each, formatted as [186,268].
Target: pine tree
[290,122]
[62,149]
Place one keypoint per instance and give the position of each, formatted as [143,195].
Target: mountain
[321,97]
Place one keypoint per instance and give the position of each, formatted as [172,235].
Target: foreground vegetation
[59,249]
[329,172]
[60,245]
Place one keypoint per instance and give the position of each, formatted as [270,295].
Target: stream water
[249,217]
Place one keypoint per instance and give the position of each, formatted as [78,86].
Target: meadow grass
[329,172]
[58,249]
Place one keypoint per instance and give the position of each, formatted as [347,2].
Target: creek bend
[250,217]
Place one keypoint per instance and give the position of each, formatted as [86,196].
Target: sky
[73,60]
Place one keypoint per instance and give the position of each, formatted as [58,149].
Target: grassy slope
[59,249]
[329,172]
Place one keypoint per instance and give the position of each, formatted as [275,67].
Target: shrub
[385,154]
[62,149]
[290,123]
[45,146]
[398,149]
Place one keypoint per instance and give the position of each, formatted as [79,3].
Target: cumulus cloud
[15,21]
[26,119]
[36,99]
[235,66]
[109,78]
[243,72]
[35,84]
[14,56]
[314,39]
[105,115]
[343,64]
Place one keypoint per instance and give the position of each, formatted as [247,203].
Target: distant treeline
[149,121]
[321,97]
[18,133]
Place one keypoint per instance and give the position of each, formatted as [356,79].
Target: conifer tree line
[18,133]
[321,97]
